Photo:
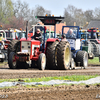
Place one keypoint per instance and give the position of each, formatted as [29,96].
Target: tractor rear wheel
[51,55]
[14,46]
[95,49]
[63,55]
[82,58]
[42,61]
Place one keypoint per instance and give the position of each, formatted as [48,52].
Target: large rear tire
[12,60]
[51,55]
[14,46]
[63,55]
[82,58]
[95,49]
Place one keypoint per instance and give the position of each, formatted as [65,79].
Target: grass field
[72,78]
[94,61]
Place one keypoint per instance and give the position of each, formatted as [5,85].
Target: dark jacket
[39,37]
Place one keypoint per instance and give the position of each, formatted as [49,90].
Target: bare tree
[6,10]
[38,11]
[97,13]
[88,15]
[68,18]
[73,14]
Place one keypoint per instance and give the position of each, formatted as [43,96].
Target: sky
[57,6]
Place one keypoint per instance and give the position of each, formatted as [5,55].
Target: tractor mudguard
[52,39]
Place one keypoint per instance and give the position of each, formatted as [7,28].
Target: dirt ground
[73,92]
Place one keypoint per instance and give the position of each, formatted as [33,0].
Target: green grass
[94,61]
[72,78]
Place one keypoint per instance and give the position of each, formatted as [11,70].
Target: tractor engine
[29,51]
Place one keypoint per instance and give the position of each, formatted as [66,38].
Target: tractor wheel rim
[67,56]
[72,64]
[85,61]
[43,62]
[14,61]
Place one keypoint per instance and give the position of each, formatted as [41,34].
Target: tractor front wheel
[82,58]
[42,61]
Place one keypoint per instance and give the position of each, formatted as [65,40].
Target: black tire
[95,49]
[82,59]
[12,65]
[63,55]
[51,55]
[42,61]
[14,46]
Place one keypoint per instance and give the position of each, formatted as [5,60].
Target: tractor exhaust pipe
[26,30]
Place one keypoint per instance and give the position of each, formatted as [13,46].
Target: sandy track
[74,92]
[6,73]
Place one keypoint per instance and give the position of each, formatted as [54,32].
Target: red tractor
[55,54]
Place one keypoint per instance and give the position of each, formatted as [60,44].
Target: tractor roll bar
[50,20]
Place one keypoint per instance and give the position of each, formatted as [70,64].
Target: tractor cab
[46,29]
[83,34]
[12,34]
[71,33]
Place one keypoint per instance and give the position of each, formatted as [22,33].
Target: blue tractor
[78,56]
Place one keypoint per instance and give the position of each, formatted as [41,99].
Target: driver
[38,35]
[70,34]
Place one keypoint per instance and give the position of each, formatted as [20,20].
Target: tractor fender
[50,40]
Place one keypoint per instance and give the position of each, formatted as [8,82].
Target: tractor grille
[25,46]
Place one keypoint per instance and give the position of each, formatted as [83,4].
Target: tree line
[15,14]
[73,14]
